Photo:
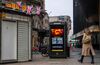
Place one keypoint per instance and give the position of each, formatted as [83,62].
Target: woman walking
[87,49]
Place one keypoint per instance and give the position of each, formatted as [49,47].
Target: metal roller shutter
[9,41]
[23,41]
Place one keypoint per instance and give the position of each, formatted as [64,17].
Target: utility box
[58,40]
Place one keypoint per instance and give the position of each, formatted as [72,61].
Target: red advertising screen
[57,32]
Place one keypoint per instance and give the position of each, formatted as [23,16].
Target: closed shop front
[9,41]
[15,38]
[23,41]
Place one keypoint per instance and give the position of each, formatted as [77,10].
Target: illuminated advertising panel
[57,32]
[57,39]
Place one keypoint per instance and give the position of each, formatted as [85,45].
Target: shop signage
[19,7]
[12,5]
[16,6]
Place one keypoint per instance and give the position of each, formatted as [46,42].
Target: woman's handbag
[87,39]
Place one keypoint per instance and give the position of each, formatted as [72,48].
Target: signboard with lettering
[20,7]
[15,6]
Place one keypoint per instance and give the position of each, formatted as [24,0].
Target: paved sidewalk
[75,55]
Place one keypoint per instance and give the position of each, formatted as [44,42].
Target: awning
[94,28]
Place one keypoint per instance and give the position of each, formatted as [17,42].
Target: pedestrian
[87,49]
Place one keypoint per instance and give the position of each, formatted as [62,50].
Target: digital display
[57,43]
[57,46]
[57,40]
[57,32]
[54,41]
[60,40]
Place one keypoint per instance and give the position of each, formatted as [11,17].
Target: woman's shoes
[80,61]
[92,62]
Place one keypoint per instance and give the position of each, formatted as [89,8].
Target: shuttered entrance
[23,41]
[9,41]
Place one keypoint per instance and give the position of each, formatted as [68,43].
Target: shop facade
[15,37]
[20,23]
